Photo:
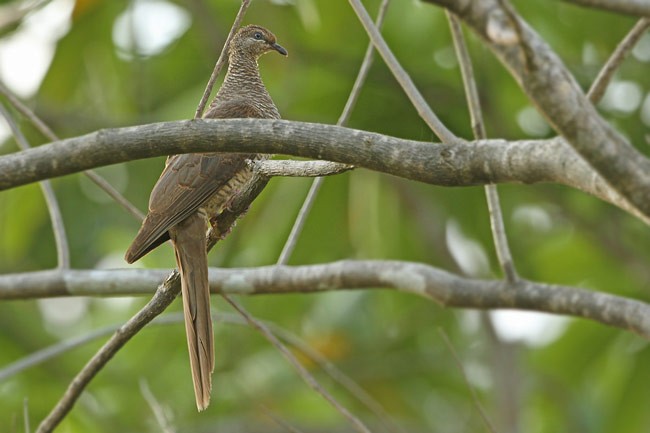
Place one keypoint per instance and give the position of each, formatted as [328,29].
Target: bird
[194,189]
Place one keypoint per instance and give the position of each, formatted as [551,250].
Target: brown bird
[195,188]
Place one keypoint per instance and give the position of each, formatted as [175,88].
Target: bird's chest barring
[224,196]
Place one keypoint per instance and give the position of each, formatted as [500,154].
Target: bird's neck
[243,80]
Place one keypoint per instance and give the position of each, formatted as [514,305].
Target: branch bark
[460,164]
[550,86]
[290,168]
[447,289]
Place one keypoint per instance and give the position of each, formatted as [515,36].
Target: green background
[586,378]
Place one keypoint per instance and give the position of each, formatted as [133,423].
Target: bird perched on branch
[194,189]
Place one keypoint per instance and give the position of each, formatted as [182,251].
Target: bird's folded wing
[187,181]
[185,184]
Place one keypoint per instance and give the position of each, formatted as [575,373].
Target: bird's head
[254,41]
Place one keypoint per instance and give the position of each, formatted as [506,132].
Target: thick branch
[460,164]
[47,132]
[445,288]
[549,84]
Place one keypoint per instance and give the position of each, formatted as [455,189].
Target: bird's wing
[187,181]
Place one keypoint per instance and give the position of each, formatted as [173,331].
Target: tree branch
[304,374]
[160,301]
[290,168]
[550,86]
[447,289]
[53,208]
[629,7]
[58,349]
[102,183]
[402,77]
[460,164]
[478,127]
[598,87]
[473,394]
[316,184]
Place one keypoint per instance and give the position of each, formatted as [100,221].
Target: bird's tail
[192,260]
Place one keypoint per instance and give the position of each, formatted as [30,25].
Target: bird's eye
[257,35]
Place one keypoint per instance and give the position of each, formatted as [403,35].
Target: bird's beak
[280,49]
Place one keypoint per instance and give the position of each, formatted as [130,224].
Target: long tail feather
[192,260]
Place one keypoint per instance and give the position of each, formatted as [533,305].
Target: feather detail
[192,260]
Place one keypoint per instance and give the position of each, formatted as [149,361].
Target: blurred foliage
[584,378]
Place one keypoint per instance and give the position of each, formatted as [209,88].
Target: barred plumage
[194,188]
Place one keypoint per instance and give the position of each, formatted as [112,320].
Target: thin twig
[402,77]
[279,421]
[299,223]
[52,351]
[156,408]
[506,394]
[337,376]
[49,134]
[293,340]
[64,346]
[28,429]
[56,219]
[598,87]
[499,234]
[29,114]
[368,58]
[628,7]
[459,363]
[114,194]
[164,296]
[221,60]
[478,127]
[316,184]
[467,73]
[302,371]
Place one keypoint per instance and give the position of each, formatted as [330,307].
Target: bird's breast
[238,184]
